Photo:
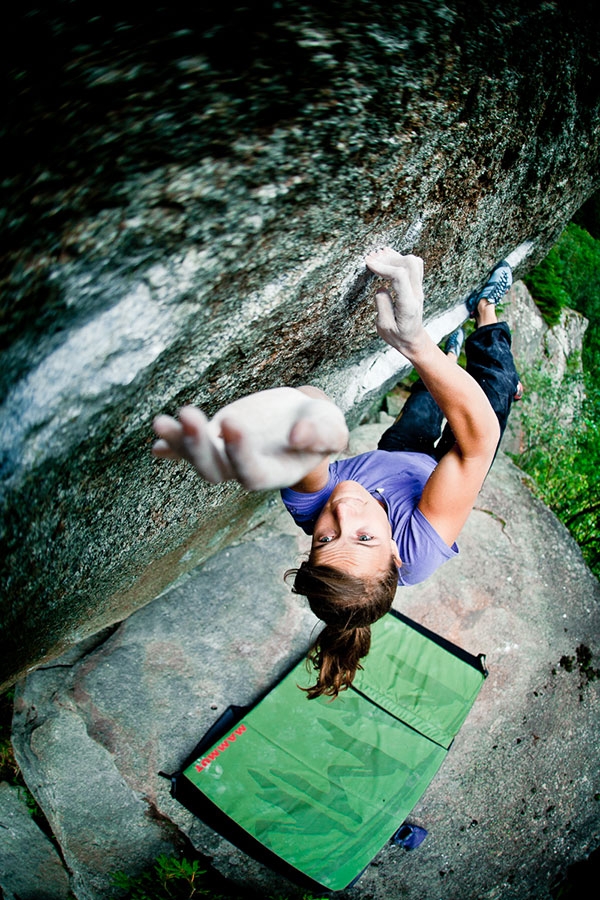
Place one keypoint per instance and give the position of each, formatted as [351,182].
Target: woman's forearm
[400,324]
[458,395]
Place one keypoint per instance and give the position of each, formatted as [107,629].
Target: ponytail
[348,605]
[336,656]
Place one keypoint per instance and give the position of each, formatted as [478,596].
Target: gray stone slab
[516,800]
[101,823]
[91,734]
[30,867]
[513,804]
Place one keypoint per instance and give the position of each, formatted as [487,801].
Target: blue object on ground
[409,836]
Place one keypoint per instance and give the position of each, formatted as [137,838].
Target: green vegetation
[570,276]
[180,879]
[562,457]
[167,878]
[9,769]
[545,285]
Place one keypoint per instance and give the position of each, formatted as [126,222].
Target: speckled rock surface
[516,800]
[188,195]
[30,867]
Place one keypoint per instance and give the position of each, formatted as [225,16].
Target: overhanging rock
[190,197]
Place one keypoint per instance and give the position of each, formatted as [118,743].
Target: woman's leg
[419,424]
[490,362]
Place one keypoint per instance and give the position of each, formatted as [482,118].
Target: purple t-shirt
[398,478]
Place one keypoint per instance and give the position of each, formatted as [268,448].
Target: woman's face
[353,533]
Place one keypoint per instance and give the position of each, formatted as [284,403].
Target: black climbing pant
[490,362]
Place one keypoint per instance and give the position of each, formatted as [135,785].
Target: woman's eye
[324,540]
[365,537]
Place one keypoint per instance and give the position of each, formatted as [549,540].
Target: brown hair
[348,605]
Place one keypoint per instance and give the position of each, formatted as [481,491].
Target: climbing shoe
[454,342]
[494,289]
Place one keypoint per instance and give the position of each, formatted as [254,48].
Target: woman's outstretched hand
[399,318]
[270,439]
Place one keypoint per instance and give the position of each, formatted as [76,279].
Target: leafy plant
[169,877]
[546,287]
[563,459]
[570,276]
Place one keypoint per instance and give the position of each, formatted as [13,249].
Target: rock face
[556,349]
[515,801]
[189,196]
[30,867]
[550,352]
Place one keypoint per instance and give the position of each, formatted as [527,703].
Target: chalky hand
[399,318]
[270,439]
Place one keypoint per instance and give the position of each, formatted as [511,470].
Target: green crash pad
[315,788]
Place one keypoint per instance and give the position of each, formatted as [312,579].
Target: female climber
[387,517]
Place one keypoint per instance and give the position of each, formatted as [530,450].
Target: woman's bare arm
[451,491]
